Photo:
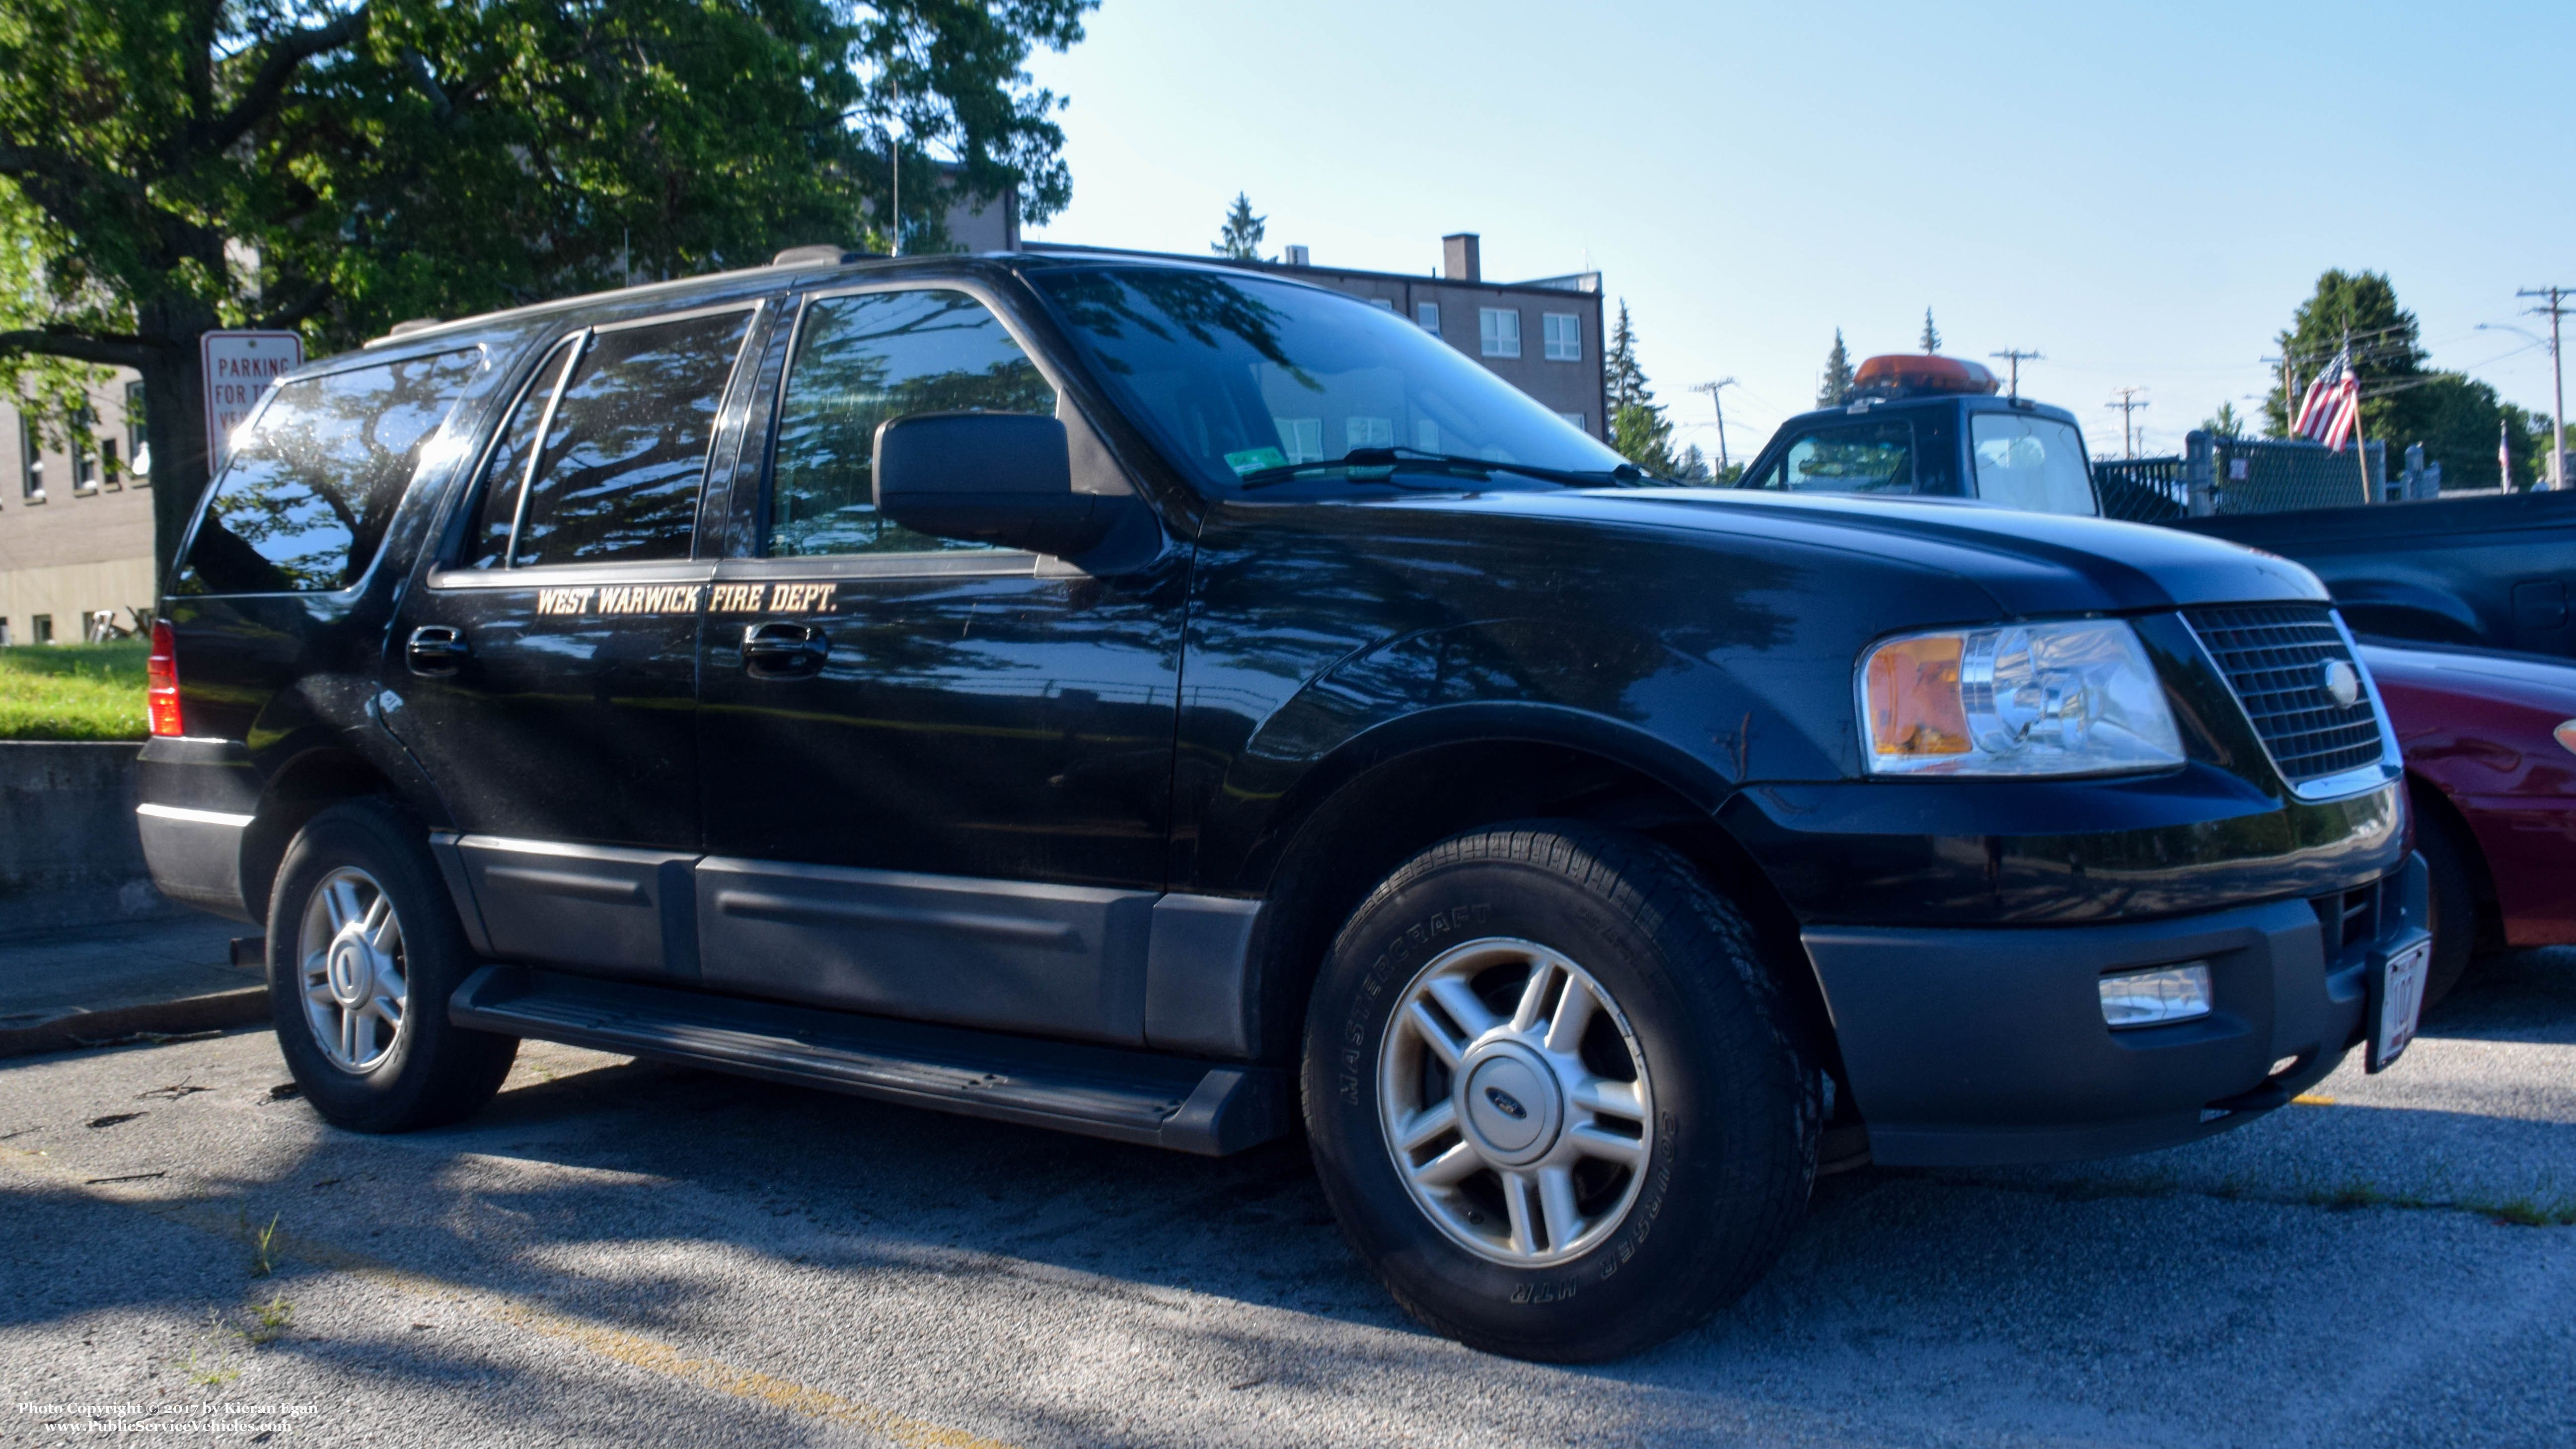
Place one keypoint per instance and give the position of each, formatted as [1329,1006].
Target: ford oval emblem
[2342,683]
[1505,1103]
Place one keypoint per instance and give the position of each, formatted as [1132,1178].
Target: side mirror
[998,478]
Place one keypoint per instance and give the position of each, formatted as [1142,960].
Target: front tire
[1552,1093]
[2453,891]
[363,951]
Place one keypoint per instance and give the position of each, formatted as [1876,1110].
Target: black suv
[1171,703]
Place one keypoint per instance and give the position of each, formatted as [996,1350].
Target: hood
[2031,563]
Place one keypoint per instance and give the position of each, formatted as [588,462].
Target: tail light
[161,681]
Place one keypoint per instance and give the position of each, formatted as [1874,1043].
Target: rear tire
[363,951]
[1552,1094]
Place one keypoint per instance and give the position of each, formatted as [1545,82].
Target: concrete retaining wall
[69,853]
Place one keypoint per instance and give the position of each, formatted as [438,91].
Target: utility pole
[2126,400]
[2555,308]
[1713,389]
[2016,357]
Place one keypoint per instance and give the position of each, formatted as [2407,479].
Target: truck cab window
[626,451]
[2032,463]
[303,502]
[862,361]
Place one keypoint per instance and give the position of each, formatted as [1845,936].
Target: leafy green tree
[1931,334]
[332,168]
[2224,423]
[1836,389]
[1240,237]
[2455,417]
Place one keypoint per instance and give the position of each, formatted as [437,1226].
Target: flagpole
[2360,433]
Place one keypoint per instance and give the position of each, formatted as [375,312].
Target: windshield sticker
[1253,460]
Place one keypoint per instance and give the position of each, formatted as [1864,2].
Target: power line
[2017,357]
[2126,400]
[2555,308]
[1713,389]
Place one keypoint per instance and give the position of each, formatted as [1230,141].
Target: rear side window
[303,503]
[2033,463]
[627,426]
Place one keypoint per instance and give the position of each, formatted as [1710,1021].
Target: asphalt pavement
[619,1253]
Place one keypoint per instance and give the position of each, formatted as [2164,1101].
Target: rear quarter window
[302,505]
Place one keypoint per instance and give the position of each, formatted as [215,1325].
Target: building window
[1367,432]
[1302,439]
[1563,334]
[4,634]
[1381,304]
[1428,314]
[138,452]
[1576,419]
[109,466]
[31,460]
[1426,435]
[1499,328]
[42,627]
[84,462]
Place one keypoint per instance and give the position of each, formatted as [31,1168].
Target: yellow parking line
[224,1217]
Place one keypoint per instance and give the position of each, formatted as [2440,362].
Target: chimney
[1459,261]
[1297,257]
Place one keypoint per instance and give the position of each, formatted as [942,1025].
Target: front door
[545,675]
[937,774]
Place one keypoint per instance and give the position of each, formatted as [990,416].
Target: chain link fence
[2239,475]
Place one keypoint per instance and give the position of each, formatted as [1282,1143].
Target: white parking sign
[239,367]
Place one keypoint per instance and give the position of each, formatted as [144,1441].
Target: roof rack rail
[822,254]
[405,329]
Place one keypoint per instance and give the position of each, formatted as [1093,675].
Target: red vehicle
[2490,743]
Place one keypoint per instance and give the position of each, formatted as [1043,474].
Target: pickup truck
[2491,572]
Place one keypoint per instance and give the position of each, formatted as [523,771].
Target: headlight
[2075,698]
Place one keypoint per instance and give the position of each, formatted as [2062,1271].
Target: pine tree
[1241,237]
[1627,380]
[1931,334]
[1838,375]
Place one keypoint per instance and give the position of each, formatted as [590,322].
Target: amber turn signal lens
[161,681]
[1914,706]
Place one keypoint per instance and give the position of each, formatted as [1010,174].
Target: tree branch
[290,52]
[111,351]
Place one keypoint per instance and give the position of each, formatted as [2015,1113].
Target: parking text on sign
[240,367]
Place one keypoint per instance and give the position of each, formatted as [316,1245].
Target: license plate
[2398,1002]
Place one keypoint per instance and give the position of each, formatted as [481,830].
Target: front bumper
[1981,1047]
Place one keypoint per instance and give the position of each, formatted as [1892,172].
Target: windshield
[1240,378]
[2030,462]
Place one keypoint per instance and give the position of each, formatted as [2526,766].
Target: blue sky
[2141,192]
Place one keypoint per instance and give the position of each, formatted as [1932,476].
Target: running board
[1126,1096]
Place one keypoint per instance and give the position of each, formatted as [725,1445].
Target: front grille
[2274,657]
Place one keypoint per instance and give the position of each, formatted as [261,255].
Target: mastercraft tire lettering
[1513,1041]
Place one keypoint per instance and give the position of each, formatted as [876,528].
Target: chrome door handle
[435,649]
[783,651]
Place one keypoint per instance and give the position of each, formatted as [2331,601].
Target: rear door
[937,774]
[544,672]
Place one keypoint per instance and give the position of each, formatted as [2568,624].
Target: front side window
[1563,332]
[862,361]
[1857,458]
[1499,330]
[302,504]
[2031,462]
[1238,376]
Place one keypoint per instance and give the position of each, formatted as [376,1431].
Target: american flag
[2333,405]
